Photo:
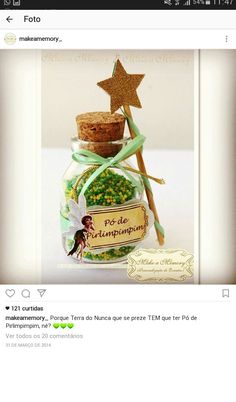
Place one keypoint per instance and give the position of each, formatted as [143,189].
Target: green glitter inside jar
[109,255]
[109,188]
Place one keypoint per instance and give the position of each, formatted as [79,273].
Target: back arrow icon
[9,19]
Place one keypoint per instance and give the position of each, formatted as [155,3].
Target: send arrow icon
[41,291]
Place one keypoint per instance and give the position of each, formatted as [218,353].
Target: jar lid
[100,126]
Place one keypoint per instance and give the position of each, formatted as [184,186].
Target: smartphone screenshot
[117,202]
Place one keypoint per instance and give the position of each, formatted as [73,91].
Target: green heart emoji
[56,325]
[63,325]
[70,325]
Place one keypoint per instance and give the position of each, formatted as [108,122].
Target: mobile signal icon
[187,3]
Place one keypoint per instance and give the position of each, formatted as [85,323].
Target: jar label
[119,226]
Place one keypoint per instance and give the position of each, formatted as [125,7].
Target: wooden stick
[142,168]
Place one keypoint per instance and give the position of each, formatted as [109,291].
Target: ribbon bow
[86,157]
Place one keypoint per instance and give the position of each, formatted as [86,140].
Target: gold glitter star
[122,88]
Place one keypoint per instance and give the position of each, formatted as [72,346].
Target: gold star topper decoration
[122,88]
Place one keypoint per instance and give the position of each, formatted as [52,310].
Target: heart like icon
[70,325]
[63,325]
[10,292]
[56,325]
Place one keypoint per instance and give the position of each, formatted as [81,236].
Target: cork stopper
[100,132]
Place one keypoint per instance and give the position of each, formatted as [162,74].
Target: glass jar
[120,219]
[103,215]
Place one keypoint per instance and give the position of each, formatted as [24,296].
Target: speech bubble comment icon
[10,38]
[25,293]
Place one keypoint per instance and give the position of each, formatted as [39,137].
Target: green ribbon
[159,227]
[90,158]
